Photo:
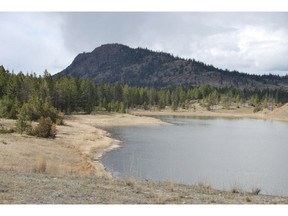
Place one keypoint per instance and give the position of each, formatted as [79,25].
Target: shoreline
[99,140]
[76,153]
[77,148]
[278,114]
[88,137]
[143,117]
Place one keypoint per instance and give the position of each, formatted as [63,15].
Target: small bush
[45,128]
[257,108]
[235,190]
[59,121]
[256,191]
[6,130]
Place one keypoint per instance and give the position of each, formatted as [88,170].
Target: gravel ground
[18,187]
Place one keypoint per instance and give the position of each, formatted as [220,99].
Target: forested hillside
[112,63]
[34,96]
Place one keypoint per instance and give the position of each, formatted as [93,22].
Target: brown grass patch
[41,164]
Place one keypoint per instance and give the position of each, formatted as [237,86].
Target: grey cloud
[35,41]
[90,29]
[31,42]
[86,31]
[210,37]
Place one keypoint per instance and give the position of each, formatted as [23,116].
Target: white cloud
[247,42]
[31,42]
[264,47]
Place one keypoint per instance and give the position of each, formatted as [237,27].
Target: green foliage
[23,123]
[9,107]
[66,94]
[45,128]
[6,130]
[122,108]
[226,101]
[211,100]
[257,109]
[87,96]
[3,81]
[254,101]
[47,110]
[30,98]
[34,109]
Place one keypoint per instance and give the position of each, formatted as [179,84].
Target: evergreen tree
[87,96]
[66,94]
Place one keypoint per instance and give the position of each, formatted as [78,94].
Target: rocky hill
[113,63]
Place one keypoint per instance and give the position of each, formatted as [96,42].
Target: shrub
[47,110]
[235,190]
[34,110]
[45,128]
[6,130]
[23,123]
[256,190]
[8,107]
[257,109]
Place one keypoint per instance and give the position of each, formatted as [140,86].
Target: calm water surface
[223,153]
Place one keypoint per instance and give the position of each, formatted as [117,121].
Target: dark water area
[222,153]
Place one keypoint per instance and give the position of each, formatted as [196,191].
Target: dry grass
[248,199]
[161,200]
[76,149]
[32,188]
[34,154]
[22,152]
[40,165]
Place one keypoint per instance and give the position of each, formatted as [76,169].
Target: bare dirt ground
[67,169]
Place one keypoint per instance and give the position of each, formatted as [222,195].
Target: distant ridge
[112,63]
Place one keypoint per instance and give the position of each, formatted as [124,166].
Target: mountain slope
[113,63]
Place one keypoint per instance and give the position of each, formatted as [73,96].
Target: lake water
[222,153]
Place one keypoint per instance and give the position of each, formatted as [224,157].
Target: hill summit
[112,63]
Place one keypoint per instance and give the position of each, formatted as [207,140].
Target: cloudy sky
[248,42]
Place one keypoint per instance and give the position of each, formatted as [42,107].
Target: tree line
[31,98]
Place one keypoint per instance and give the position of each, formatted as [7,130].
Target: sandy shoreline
[94,140]
[77,150]
[279,114]
[80,144]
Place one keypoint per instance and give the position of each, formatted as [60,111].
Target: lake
[223,153]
